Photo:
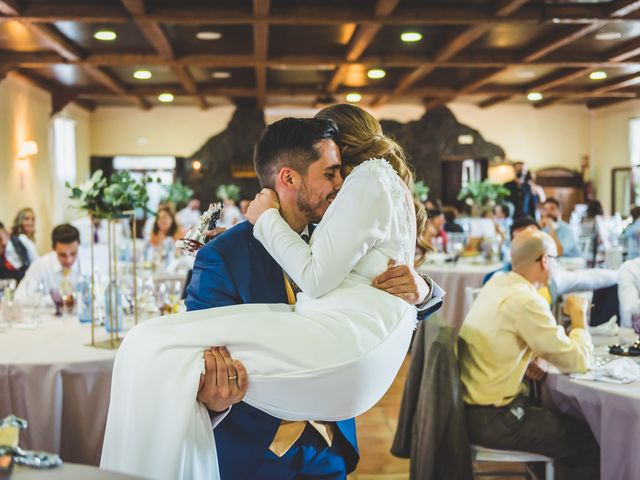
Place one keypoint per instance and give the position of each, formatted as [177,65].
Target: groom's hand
[403,282]
[224,381]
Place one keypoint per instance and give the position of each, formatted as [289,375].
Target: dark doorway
[455,171]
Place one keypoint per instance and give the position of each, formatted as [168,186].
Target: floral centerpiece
[478,194]
[109,198]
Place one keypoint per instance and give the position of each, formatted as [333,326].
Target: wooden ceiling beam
[360,40]
[107,79]
[491,101]
[452,48]
[623,82]
[559,40]
[604,102]
[261,50]
[10,7]
[517,11]
[158,38]
[622,8]
[58,42]
[629,50]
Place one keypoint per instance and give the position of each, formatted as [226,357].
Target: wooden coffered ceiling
[316,51]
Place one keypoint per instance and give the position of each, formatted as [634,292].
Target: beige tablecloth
[50,377]
[453,279]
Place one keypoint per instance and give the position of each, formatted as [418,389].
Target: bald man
[509,324]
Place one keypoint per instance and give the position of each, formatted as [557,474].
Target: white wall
[165,130]
[610,138]
[25,115]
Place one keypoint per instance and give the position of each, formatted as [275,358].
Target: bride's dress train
[330,358]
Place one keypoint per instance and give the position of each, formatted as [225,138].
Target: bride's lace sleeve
[358,218]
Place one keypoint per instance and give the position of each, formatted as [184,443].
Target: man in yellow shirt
[509,324]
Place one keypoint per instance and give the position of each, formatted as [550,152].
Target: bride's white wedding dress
[329,357]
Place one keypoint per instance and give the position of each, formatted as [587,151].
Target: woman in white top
[331,356]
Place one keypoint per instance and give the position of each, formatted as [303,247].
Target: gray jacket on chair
[432,428]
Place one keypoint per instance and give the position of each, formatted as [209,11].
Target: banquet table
[68,471]
[60,385]
[453,279]
[611,410]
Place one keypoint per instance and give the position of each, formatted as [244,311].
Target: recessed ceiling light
[608,36]
[142,74]
[105,35]
[208,36]
[411,37]
[525,74]
[534,96]
[353,97]
[221,74]
[376,73]
[165,97]
[598,75]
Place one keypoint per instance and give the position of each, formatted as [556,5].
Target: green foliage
[104,198]
[231,191]
[482,193]
[178,194]
[421,190]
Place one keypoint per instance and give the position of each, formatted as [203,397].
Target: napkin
[620,370]
[609,329]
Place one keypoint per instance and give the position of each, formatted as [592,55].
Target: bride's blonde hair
[360,138]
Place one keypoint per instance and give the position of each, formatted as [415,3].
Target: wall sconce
[27,149]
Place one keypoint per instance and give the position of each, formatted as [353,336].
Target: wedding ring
[232,377]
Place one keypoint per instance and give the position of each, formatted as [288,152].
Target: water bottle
[84,300]
[108,304]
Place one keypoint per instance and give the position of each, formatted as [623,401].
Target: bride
[342,335]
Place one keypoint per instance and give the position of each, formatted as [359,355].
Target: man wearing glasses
[509,324]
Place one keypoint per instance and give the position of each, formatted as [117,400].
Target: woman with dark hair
[165,228]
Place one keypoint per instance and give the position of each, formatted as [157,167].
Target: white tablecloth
[612,411]
[453,279]
[50,377]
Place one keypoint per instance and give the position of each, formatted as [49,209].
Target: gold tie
[289,432]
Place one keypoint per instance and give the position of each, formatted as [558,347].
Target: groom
[299,159]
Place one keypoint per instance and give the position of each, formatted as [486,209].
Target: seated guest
[25,224]
[58,268]
[165,229]
[7,269]
[629,291]
[508,325]
[551,222]
[632,234]
[20,253]
[434,234]
[189,215]
[563,281]
[450,224]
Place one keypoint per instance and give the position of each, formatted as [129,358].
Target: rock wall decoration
[428,142]
[435,137]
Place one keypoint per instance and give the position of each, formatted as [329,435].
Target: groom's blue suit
[235,268]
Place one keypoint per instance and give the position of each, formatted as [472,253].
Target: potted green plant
[178,194]
[421,190]
[478,194]
[228,192]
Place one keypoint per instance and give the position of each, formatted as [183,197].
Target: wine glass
[58,301]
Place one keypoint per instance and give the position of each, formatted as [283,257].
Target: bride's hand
[264,200]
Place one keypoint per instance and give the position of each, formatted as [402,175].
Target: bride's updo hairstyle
[360,138]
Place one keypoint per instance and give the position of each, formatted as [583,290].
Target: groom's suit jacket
[235,268]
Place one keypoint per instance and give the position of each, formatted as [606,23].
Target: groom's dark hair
[290,142]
